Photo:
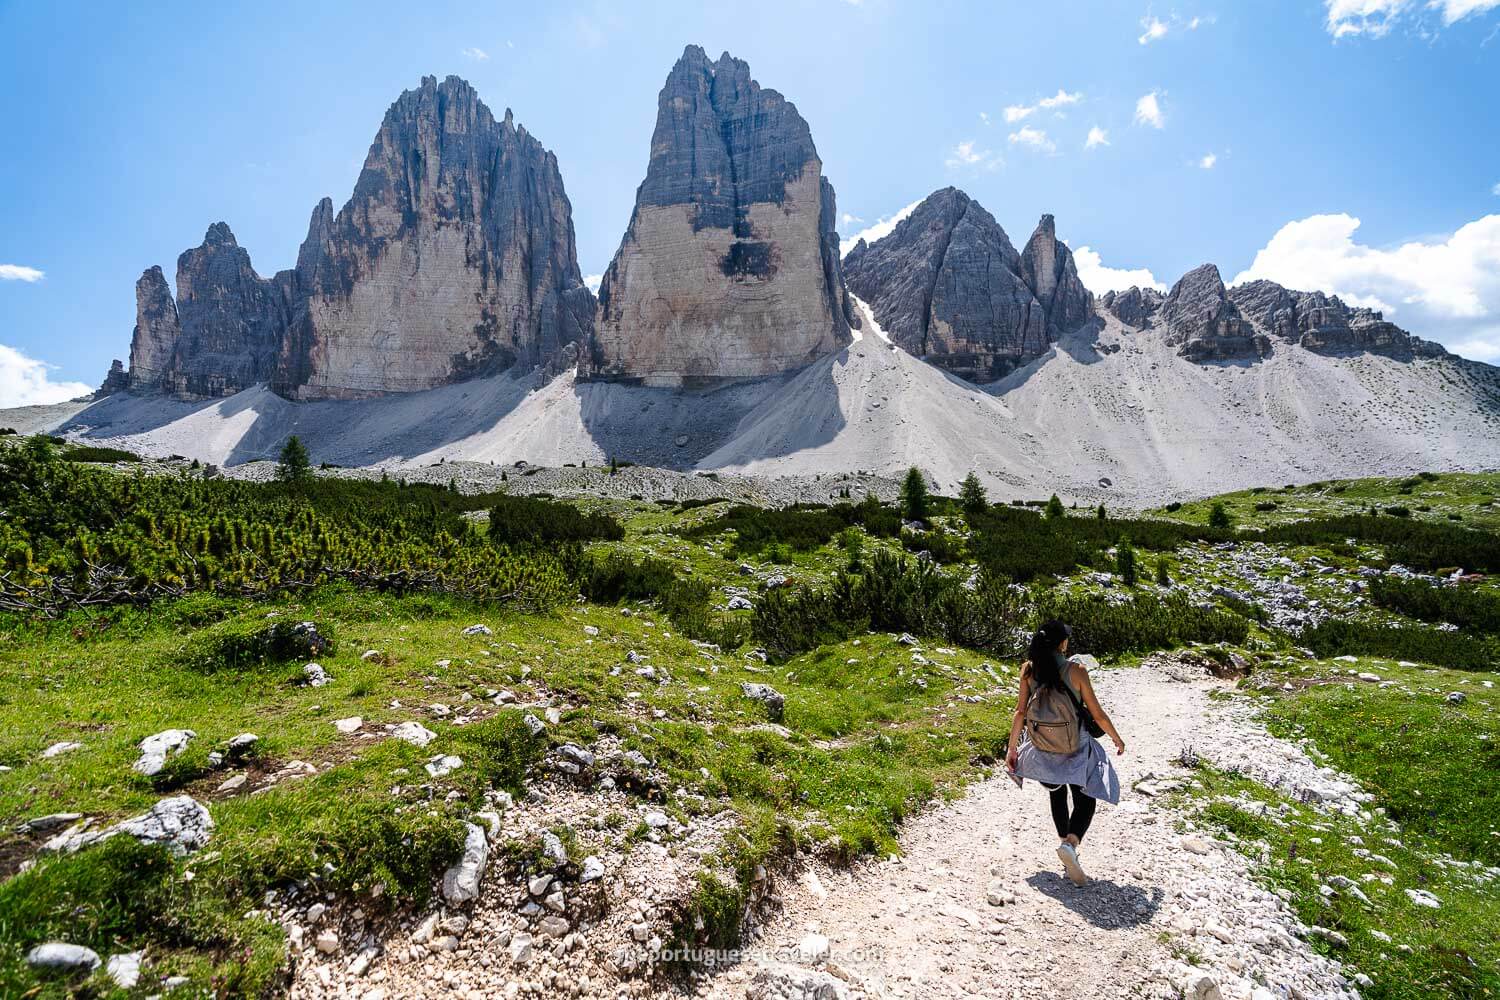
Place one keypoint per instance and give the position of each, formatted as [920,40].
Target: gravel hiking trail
[977,906]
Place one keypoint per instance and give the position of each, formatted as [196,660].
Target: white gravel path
[922,926]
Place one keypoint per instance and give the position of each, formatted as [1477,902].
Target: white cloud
[1032,138]
[1207,161]
[1061,99]
[1376,18]
[1156,29]
[1148,110]
[26,381]
[984,117]
[966,155]
[1496,189]
[1100,279]
[474,53]
[593,281]
[1097,137]
[1446,290]
[881,229]
[847,219]
[16,272]
[1454,11]
[1019,112]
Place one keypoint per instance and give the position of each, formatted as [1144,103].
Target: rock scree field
[327,736]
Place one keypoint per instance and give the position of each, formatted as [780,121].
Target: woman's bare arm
[1018,720]
[1091,700]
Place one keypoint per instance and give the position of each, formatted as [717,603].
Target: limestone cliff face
[729,267]
[153,342]
[1048,269]
[948,285]
[1134,306]
[454,257]
[231,320]
[1199,318]
[1323,323]
[945,285]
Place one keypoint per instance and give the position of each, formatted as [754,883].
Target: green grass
[1474,498]
[1299,849]
[1432,768]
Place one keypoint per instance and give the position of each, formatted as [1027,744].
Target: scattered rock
[414,733]
[349,725]
[60,955]
[461,882]
[315,675]
[773,699]
[125,968]
[593,869]
[813,949]
[443,765]
[58,749]
[156,748]
[1422,897]
[478,630]
[49,822]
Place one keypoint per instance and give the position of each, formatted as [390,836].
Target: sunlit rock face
[729,268]
[454,257]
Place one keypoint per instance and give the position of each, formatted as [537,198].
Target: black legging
[1083,811]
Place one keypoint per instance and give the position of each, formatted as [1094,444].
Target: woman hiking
[1060,715]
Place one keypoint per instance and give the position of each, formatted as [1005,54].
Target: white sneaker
[1069,858]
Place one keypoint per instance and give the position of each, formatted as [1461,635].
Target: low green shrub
[1144,623]
[247,645]
[1464,606]
[529,521]
[92,453]
[1340,637]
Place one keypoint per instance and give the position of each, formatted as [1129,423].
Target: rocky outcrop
[945,284]
[1200,320]
[948,285]
[1135,307]
[454,257]
[1047,268]
[118,380]
[729,267]
[153,342]
[231,320]
[1323,323]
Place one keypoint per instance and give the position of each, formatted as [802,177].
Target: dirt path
[924,926]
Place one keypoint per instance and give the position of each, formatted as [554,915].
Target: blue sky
[1352,145]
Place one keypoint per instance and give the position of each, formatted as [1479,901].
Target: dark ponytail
[1043,654]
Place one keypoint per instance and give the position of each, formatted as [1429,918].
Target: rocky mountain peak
[1204,324]
[454,256]
[1049,271]
[729,267]
[948,285]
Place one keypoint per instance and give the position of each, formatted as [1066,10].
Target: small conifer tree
[294,466]
[914,495]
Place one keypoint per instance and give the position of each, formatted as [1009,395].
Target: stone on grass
[478,630]
[1424,898]
[443,765]
[125,968]
[58,749]
[533,724]
[461,882]
[181,823]
[61,956]
[51,821]
[238,745]
[156,748]
[414,733]
[773,699]
[349,725]
[315,675]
